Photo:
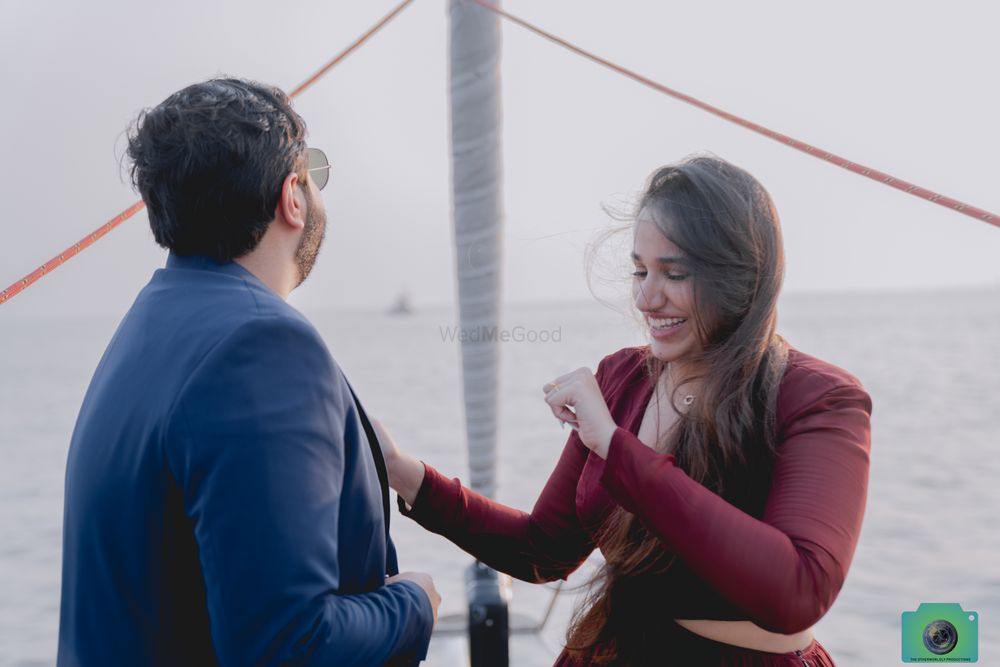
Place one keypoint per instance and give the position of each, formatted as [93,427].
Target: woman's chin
[667,352]
[664,353]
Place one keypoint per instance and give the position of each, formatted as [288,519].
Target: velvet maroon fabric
[778,558]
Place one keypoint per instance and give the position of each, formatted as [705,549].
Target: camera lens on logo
[940,637]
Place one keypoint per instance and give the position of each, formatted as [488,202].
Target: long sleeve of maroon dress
[781,569]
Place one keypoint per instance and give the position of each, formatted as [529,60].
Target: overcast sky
[906,87]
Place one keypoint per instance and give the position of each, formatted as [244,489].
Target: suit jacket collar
[201,263]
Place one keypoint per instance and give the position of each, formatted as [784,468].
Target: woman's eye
[639,273]
[676,276]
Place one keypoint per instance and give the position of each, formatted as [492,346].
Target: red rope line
[69,252]
[350,49]
[28,280]
[860,169]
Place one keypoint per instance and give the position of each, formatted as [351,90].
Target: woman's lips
[665,327]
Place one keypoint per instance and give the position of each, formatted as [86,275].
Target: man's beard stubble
[312,238]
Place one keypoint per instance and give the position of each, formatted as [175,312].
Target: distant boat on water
[402,305]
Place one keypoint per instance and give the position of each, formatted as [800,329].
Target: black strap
[383,473]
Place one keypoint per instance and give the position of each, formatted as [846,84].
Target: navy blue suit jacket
[222,501]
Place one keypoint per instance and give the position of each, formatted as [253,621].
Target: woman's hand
[406,473]
[576,399]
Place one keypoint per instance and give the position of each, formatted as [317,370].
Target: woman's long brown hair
[725,223]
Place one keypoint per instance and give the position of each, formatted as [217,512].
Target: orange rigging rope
[91,238]
[874,174]
[844,163]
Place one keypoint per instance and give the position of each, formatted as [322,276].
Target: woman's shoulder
[809,380]
[623,362]
[805,368]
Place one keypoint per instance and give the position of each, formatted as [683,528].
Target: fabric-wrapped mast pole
[478,219]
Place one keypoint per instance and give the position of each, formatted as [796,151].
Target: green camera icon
[940,632]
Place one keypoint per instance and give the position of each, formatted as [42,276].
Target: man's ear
[292,202]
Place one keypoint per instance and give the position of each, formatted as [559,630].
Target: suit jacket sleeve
[258,447]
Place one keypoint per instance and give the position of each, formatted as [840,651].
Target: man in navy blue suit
[226,499]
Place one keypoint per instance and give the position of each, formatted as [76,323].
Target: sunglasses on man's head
[318,166]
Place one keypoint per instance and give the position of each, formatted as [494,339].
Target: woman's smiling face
[663,291]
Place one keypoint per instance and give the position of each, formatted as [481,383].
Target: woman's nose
[648,299]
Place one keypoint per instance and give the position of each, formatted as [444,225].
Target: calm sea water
[931,532]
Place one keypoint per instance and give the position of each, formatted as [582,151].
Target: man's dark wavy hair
[209,162]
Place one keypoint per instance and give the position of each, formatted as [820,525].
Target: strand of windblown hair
[81,245]
[860,169]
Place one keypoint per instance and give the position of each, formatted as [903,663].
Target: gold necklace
[686,400]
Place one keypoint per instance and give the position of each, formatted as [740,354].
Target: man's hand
[424,581]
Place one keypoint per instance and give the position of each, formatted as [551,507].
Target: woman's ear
[292,202]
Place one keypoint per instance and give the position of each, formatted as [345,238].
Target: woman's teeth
[668,322]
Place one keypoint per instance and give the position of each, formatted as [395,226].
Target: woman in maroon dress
[722,473]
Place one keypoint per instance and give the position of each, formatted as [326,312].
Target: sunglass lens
[319,167]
